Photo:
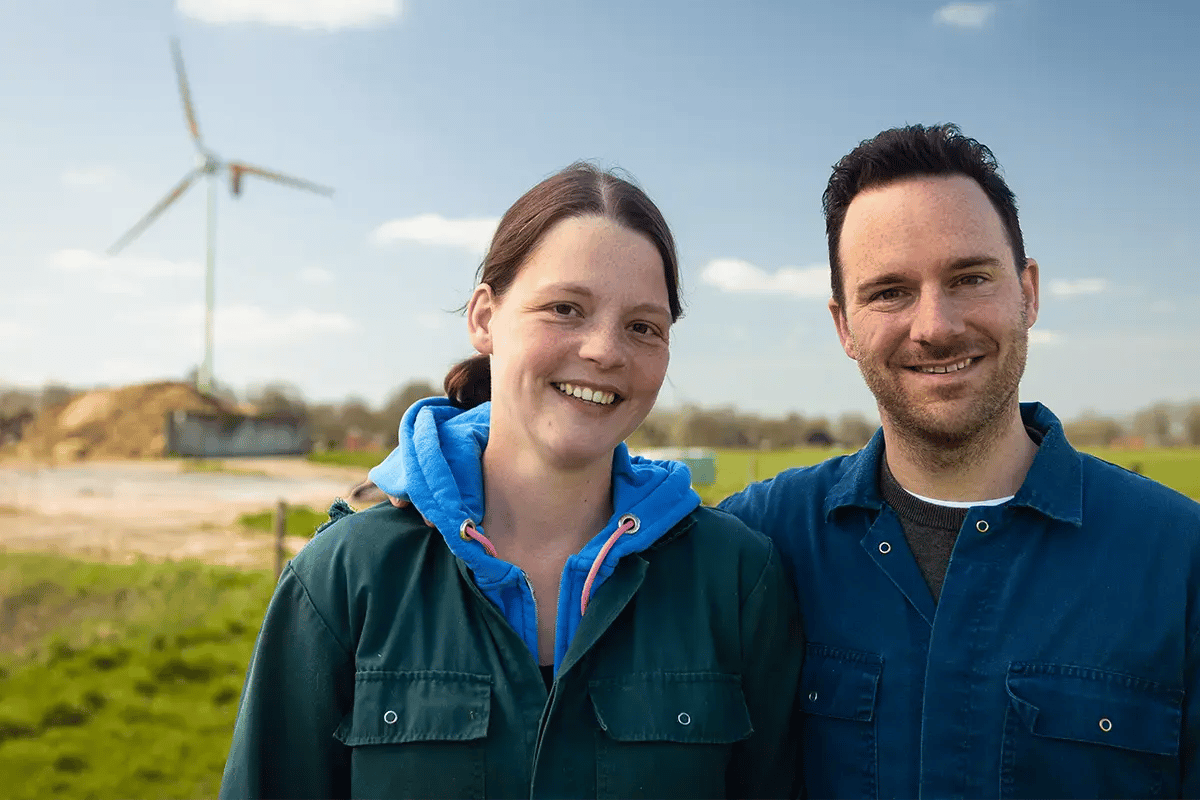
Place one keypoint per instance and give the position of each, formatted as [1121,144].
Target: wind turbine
[208,164]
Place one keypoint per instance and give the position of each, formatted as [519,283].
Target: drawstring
[467,531]
[629,524]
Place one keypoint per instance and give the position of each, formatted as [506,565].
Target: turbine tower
[209,165]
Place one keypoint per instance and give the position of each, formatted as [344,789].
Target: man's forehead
[916,217]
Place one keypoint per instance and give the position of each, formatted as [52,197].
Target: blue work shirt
[1060,661]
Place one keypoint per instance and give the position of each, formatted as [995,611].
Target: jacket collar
[1053,486]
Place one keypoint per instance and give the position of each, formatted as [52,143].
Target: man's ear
[1029,290]
[480,309]
[843,328]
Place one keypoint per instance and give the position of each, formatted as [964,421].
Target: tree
[399,402]
[853,430]
[278,398]
[1154,425]
[1093,430]
[1191,425]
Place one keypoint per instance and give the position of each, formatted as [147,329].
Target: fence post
[280,530]
[751,469]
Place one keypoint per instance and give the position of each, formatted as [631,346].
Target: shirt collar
[1052,487]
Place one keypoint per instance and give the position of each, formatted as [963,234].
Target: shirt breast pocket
[838,690]
[667,734]
[418,734]
[1072,731]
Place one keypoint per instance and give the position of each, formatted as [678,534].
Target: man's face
[935,313]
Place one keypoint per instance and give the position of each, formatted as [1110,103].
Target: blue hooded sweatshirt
[438,466]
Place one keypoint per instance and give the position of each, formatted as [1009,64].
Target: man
[989,612]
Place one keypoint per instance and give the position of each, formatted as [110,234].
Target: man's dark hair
[910,152]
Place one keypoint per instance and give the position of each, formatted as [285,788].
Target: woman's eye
[644,329]
[563,309]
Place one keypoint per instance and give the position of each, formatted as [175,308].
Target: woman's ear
[480,310]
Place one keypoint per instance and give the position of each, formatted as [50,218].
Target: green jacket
[382,671]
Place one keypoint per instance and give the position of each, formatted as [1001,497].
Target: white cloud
[89,177]
[253,325]
[741,277]
[1039,336]
[1080,286]
[965,15]
[327,15]
[122,274]
[474,234]
[315,276]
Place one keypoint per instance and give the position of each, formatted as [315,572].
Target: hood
[438,466]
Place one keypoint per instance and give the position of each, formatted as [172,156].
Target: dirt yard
[156,509]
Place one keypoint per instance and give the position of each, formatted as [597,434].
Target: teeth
[966,362]
[584,393]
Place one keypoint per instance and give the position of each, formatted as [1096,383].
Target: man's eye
[887,294]
[643,328]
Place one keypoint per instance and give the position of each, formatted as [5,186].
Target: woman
[590,630]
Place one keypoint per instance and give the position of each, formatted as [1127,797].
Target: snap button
[1106,724]
[981,526]
[812,697]
[684,718]
[885,548]
[389,717]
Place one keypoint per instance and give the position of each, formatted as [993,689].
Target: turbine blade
[185,93]
[278,177]
[154,213]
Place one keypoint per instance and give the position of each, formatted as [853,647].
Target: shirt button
[684,718]
[389,717]
[885,548]
[1106,724]
[981,526]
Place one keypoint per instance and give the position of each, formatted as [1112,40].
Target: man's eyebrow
[966,262]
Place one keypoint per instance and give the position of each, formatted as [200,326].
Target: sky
[430,117]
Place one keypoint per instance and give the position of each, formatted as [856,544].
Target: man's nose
[936,319]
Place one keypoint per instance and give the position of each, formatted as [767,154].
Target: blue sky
[429,117]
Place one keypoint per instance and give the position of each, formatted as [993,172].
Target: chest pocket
[838,691]
[1074,731]
[667,734]
[418,734]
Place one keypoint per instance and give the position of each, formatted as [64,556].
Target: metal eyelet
[1106,724]
[885,548]
[389,717]
[637,523]
[981,526]
[462,529]
[684,718]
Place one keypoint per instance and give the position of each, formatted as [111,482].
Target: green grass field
[121,681]
[301,520]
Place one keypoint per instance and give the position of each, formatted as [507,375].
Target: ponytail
[469,382]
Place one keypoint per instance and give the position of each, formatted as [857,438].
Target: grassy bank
[121,680]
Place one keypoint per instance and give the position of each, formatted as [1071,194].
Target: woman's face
[578,344]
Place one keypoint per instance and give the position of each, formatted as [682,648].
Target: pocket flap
[1091,705]
[424,706]
[688,707]
[839,683]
